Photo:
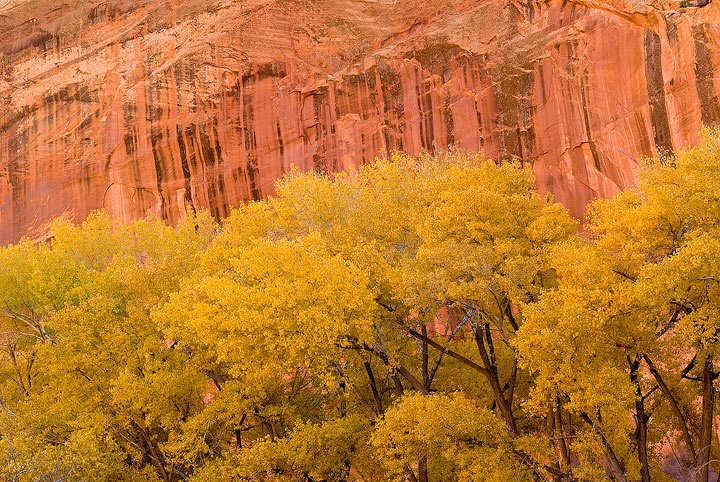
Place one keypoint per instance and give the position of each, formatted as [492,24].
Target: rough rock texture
[151,106]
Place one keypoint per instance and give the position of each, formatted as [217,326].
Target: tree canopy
[421,319]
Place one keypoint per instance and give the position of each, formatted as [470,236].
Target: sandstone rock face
[157,106]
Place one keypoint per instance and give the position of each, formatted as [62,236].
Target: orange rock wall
[151,106]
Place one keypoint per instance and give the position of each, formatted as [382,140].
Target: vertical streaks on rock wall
[705,73]
[656,91]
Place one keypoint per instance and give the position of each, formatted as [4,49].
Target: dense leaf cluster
[422,319]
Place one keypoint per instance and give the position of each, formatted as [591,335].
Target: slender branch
[444,350]
[355,389]
[440,354]
[373,389]
[217,379]
[425,357]
[615,463]
[354,345]
[511,383]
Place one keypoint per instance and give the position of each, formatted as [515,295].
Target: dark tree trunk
[616,467]
[560,437]
[708,405]
[674,406]
[641,420]
[491,373]
[374,389]
[423,469]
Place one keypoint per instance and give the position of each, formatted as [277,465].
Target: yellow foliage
[429,318]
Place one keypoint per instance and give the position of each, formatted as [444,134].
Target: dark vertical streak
[156,157]
[181,142]
[218,149]
[250,144]
[185,168]
[280,144]
[709,107]
[656,91]
[586,118]
[449,121]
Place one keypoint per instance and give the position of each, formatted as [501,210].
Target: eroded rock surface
[152,106]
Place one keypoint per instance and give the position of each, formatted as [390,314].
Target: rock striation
[159,106]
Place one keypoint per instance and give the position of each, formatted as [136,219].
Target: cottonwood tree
[634,319]
[423,319]
[443,250]
[105,395]
[585,343]
[665,233]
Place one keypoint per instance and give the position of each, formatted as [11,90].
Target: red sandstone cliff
[148,106]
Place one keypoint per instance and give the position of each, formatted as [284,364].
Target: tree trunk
[616,467]
[503,406]
[641,419]
[410,474]
[491,373]
[674,406]
[560,436]
[708,405]
[641,432]
[561,470]
[423,469]
[155,456]
[374,389]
